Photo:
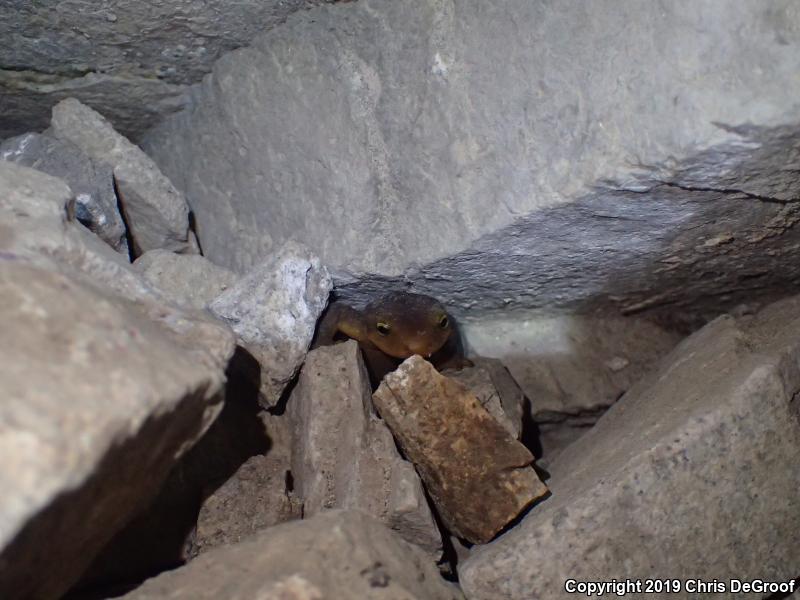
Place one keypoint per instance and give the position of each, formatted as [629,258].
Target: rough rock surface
[572,368]
[91,182]
[344,456]
[477,474]
[338,555]
[496,390]
[692,473]
[106,386]
[273,310]
[469,153]
[186,279]
[254,497]
[128,59]
[154,210]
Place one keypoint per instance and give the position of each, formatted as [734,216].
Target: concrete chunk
[477,474]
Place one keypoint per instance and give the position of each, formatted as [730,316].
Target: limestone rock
[692,473]
[337,555]
[578,178]
[91,182]
[273,310]
[344,456]
[477,474]
[186,279]
[98,401]
[155,211]
[496,390]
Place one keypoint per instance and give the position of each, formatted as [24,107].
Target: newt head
[402,324]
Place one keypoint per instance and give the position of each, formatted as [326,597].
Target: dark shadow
[193,229]
[160,537]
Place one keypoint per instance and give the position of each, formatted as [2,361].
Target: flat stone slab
[477,474]
[337,555]
[692,474]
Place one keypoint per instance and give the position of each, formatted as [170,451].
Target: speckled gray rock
[128,59]
[338,555]
[433,147]
[186,279]
[344,456]
[692,473]
[92,183]
[154,210]
[273,310]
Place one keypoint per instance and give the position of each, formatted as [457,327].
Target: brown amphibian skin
[393,328]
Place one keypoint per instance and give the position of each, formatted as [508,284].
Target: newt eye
[383,328]
[443,322]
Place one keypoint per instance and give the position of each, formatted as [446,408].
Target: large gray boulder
[692,474]
[517,155]
[104,386]
[338,555]
[129,59]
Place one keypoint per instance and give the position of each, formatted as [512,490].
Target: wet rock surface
[336,555]
[345,457]
[691,473]
[154,210]
[477,474]
[273,311]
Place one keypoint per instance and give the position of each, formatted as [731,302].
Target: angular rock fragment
[496,390]
[106,385]
[273,310]
[156,212]
[478,475]
[337,555]
[692,473]
[92,183]
[186,279]
[344,456]
[98,400]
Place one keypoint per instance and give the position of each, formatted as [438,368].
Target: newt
[392,328]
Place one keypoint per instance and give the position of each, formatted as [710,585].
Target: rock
[477,474]
[344,456]
[273,310]
[134,415]
[337,555]
[98,401]
[130,64]
[255,497]
[92,183]
[571,367]
[186,279]
[581,179]
[692,473]
[496,390]
[154,210]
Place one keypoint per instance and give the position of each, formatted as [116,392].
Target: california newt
[393,328]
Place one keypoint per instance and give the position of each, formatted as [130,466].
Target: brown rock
[477,474]
[344,456]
